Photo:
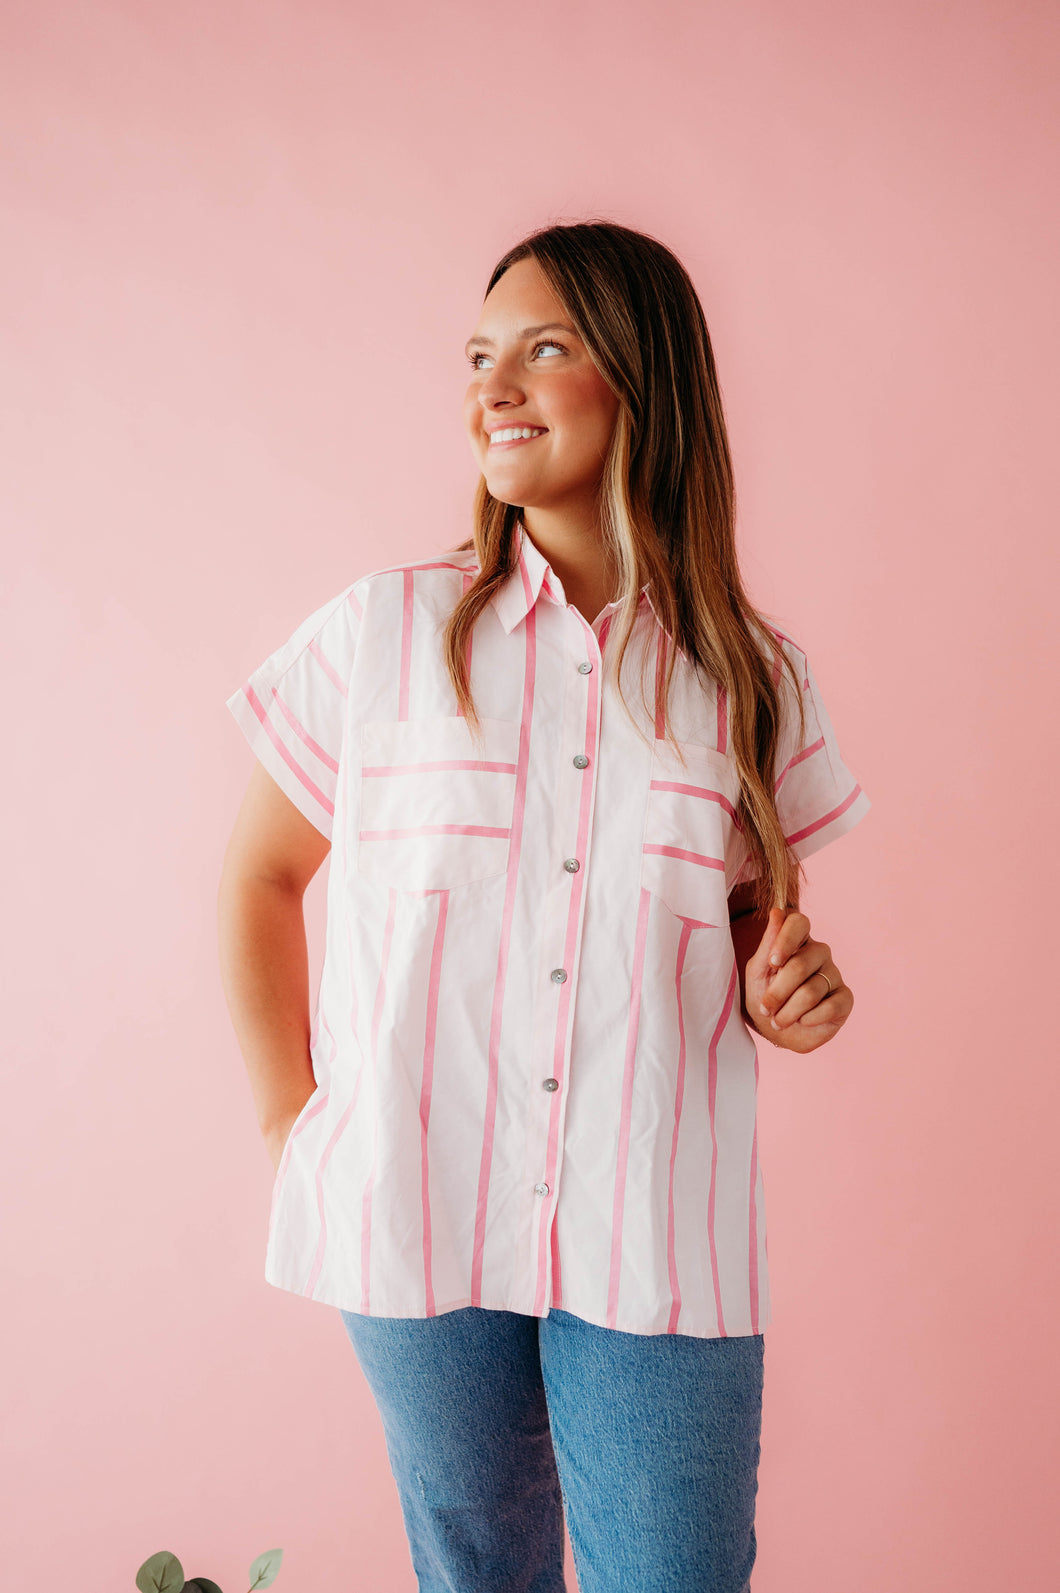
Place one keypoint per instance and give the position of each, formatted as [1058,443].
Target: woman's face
[530,368]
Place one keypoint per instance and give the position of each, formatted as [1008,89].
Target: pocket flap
[691,837]
[436,806]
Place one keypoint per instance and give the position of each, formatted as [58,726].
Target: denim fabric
[495,1422]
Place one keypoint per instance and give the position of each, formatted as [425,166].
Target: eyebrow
[527,331]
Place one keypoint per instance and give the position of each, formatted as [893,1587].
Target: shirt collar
[514,600]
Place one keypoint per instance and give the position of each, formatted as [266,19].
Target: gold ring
[827,981]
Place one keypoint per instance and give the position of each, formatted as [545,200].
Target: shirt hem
[499,1304]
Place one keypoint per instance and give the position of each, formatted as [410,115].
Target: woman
[570,775]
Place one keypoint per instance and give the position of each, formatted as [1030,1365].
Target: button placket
[555,930]
[580,761]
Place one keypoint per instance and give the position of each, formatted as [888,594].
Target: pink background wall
[244,244]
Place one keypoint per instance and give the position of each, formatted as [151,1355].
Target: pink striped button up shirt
[534,1085]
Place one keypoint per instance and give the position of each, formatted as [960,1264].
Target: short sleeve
[818,798]
[292,708]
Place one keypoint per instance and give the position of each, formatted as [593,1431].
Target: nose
[499,388]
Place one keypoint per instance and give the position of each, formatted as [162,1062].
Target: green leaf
[264,1569]
[162,1573]
[200,1584]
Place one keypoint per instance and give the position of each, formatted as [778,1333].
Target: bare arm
[272,854]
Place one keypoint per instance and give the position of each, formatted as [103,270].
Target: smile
[512,436]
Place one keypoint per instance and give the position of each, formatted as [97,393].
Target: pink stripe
[329,669]
[671,1256]
[466,584]
[627,1109]
[828,818]
[366,1203]
[782,636]
[378,769]
[406,643]
[314,790]
[712,1097]
[799,757]
[421,564]
[355,603]
[322,1238]
[689,857]
[752,1280]
[430,1029]
[777,667]
[696,791]
[500,980]
[660,682]
[590,738]
[557,1271]
[303,734]
[433,829]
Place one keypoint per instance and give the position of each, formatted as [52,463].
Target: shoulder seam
[342,600]
[444,560]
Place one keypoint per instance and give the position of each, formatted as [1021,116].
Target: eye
[473,359]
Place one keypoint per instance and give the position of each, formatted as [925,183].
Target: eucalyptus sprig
[163,1573]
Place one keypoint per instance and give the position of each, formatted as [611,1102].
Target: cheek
[596,406]
[471,413]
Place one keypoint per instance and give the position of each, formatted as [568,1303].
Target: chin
[503,492]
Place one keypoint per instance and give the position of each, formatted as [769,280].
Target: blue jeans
[495,1421]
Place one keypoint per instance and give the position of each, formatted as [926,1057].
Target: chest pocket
[690,831]
[435,806]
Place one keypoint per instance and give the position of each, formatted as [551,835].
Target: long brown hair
[667,508]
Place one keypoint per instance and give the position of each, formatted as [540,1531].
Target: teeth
[512,432]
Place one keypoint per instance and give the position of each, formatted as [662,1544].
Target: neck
[575,550]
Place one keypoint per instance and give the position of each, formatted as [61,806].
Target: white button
[585,668]
[540,1189]
[550,1084]
[558,975]
[581,761]
[571,864]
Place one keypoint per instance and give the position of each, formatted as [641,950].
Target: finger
[803,1008]
[834,1009]
[793,930]
[799,970]
[774,928]
[801,1036]
[758,963]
